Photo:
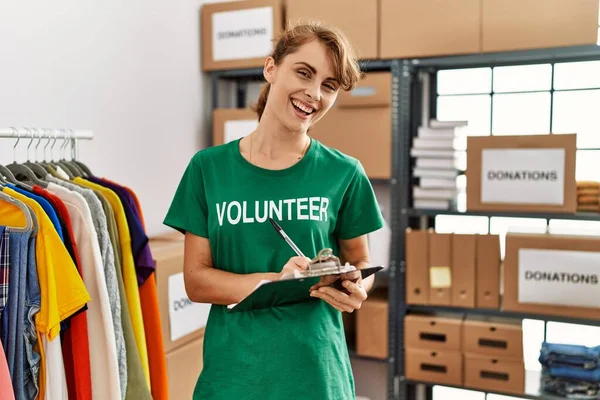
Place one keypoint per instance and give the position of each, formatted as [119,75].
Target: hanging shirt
[144,264]
[103,360]
[137,388]
[295,351]
[152,322]
[108,259]
[75,347]
[129,275]
[62,293]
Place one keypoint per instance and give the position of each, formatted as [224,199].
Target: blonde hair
[345,63]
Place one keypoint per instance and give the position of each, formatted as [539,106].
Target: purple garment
[144,262]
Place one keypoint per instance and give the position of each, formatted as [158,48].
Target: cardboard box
[433,332]
[232,123]
[440,257]
[494,374]
[552,275]
[360,125]
[184,366]
[464,251]
[423,28]
[372,327]
[522,173]
[358,19]
[531,24]
[488,271]
[494,337]
[417,263]
[182,320]
[239,34]
[439,367]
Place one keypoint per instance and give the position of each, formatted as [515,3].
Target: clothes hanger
[84,168]
[61,161]
[29,217]
[77,171]
[20,169]
[37,169]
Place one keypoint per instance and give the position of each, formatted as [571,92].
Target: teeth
[301,106]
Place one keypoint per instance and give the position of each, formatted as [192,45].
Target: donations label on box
[526,176]
[522,173]
[559,277]
[242,34]
[185,316]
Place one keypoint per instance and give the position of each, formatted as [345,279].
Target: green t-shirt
[288,352]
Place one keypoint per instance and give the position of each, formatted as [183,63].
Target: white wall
[130,71]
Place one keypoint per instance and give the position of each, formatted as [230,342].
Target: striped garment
[4,269]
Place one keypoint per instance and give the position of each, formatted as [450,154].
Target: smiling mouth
[302,108]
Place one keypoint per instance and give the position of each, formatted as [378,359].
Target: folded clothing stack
[588,196]
[571,371]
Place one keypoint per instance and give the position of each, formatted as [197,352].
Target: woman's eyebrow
[314,70]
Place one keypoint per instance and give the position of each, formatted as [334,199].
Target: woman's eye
[330,87]
[303,73]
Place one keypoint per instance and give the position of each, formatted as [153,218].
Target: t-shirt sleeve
[188,211]
[359,213]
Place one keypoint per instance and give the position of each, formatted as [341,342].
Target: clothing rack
[72,135]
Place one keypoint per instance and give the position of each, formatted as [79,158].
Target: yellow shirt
[62,290]
[129,275]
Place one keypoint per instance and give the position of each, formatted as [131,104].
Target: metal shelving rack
[409,217]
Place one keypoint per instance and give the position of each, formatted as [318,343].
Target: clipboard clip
[325,263]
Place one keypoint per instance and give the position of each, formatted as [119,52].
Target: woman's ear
[269,69]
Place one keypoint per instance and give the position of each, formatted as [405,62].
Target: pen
[286,237]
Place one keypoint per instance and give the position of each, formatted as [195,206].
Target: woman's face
[303,87]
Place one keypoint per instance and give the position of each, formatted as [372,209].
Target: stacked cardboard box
[452,269]
[493,354]
[182,320]
[477,353]
[433,349]
[436,164]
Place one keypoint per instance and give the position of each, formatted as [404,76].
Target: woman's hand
[294,264]
[341,301]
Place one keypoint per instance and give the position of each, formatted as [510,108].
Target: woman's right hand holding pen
[295,263]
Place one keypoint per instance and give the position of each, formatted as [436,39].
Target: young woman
[321,198]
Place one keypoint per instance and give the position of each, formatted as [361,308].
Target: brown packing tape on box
[514,242]
[440,259]
[417,264]
[463,270]
[476,146]
[439,367]
[433,332]
[503,375]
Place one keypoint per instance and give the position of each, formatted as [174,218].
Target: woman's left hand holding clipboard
[348,299]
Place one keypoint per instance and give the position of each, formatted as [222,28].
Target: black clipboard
[289,291]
